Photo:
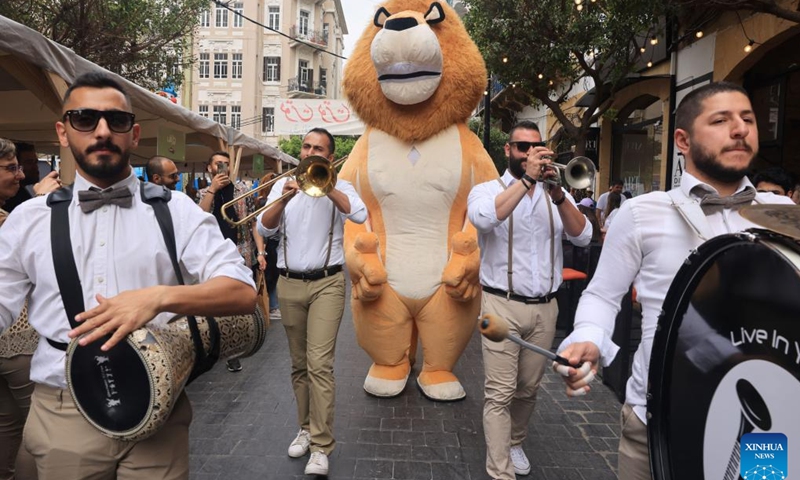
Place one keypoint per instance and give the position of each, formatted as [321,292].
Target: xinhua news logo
[764,456]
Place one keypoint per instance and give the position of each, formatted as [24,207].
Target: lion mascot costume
[414,78]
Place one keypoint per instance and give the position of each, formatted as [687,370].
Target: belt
[311,274]
[519,298]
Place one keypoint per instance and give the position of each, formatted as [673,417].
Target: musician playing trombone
[311,289]
[520,276]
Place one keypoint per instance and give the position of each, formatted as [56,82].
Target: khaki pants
[65,445]
[513,375]
[634,456]
[16,389]
[311,313]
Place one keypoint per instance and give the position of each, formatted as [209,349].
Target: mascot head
[414,71]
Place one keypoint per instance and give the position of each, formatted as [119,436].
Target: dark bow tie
[737,200]
[94,198]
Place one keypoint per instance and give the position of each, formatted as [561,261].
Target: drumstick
[496,329]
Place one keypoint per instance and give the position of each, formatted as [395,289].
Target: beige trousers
[513,375]
[65,445]
[311,312]
[16,389]
[634,456]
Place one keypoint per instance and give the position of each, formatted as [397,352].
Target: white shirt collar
[130,182]
[689,183]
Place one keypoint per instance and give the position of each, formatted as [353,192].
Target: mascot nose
[400,24]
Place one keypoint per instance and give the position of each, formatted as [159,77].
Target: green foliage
[497,140]
[522,40]
[293,144]
[145,41]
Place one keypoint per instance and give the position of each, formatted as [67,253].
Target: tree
[788,10]
[497,140]
[291,146]
[145,41]
[545,48]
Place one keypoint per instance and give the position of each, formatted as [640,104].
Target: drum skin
[128,392]
[725,356]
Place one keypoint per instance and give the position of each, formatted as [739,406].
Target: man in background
[602,202]
[162,171]
[30,186]
[775,180]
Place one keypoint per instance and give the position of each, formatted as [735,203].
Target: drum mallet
[496,329]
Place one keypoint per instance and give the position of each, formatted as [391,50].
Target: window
[221,17]
[267,119]
[220,114]
[204,65]
[303,76]
[274,18]
[236,116]
[205,18]
[304,18]
[326,28]
[236,66]
[323,82]
[202,110]
[220,65]
[238,9]
[272,69]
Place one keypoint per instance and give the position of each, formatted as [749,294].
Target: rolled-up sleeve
[358,211]
[481,209]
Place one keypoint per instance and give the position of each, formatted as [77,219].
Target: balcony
[302,90]
[305,35]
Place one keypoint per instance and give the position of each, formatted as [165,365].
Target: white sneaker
[275,314]
[521,464]
[317,464]
[299,446]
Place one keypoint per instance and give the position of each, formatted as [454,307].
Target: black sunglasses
[525,146]
[85,120]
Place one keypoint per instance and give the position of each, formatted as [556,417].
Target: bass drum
[725,357]
[129,391]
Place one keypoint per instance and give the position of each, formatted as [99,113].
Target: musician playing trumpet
[520,221]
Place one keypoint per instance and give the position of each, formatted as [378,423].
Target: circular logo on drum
[754,397]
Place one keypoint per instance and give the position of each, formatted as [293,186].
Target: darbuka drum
[725,358]
[128,392]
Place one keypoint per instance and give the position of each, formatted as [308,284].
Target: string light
[541,76]
[699,34]
[654,41]
[578,2]
[505,59]
[550,83]
[649,64]
[643,49]
[579,7]
[749,47]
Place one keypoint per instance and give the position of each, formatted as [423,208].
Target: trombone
[315,176]
[578,173]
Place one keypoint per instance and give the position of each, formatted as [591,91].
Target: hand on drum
[117,316]
[578,380]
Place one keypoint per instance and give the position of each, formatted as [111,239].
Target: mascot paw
[460,276]
[387,381]
[441,386]
[366,269]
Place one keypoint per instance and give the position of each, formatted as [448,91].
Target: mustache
[106,145]
[741,144]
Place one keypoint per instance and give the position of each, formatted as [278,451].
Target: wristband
[559,202]
[262,254]
[529,179]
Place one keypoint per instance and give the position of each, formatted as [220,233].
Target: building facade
[245,65]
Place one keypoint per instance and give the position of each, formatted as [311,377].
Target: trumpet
[315,176]
[578,173]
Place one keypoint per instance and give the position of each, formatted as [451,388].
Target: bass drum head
[112,389]
[725,356]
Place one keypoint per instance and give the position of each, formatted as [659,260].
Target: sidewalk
[243,424]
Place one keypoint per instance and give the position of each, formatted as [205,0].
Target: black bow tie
[737,200]
[94,198]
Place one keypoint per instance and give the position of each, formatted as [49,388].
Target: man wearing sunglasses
[111,228]
[162,171]
[520,277]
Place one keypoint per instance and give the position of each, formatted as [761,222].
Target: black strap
[157,196]
[69,283]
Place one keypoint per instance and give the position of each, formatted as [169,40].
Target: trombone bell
[316,176]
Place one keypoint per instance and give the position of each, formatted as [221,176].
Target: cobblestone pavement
[243,424]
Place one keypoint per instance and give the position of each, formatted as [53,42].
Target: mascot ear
[380,17]
[435,14]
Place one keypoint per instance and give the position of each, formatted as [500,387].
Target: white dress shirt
[307,221]
[115,249]
[646,246]
[532,239]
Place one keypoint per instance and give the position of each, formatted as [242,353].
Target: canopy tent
[35,72]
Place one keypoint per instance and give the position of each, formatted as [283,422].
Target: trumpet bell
[578,173]
[316,176]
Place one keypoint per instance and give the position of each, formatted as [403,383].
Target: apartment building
[244,70]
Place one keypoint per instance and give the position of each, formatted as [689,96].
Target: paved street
[243,424]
